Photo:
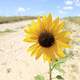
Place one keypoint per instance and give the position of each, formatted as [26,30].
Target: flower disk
[47,38]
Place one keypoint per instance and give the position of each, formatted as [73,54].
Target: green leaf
[39,77]
[59,77]
[56,64]
[58,67]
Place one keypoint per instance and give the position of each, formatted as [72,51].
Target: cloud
[67,8]
[68,5]
[69,2]
[73,2]
[21,9]
[77,2]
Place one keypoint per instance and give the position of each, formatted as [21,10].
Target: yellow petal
[33,23]
[49,23]
[55,23]
[46,58]
[49,20]
[39,20]
[60,26]
[33,48]
[40,26]
[36,26]
[64,34]
[38,52]
[30,30]
[49,53]
[60,53]
[64,40]
[55,53]
[63,44]
[30,39]
[44,21]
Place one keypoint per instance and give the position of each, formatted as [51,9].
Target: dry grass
[75,19]
[10,19]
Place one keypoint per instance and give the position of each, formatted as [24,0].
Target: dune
[17,64]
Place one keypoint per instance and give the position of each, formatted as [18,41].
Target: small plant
[59,77]
[39,77]
[7,30]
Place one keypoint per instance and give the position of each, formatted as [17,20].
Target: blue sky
[40,7]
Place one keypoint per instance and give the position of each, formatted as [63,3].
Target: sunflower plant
[48,39]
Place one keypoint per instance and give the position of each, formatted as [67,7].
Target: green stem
[50,72]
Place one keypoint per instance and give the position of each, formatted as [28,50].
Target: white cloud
[67,8]
[69,2]
[21,9]
[77,2]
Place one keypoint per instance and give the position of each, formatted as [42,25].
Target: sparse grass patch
[10,19]
[7,31]
[75,19]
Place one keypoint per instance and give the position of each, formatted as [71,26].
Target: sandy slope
[16,64]
[14,25]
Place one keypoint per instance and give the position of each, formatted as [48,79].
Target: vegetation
[10,19]
[39,77]
[75,19]
[7,30]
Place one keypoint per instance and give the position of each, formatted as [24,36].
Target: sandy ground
[16,64]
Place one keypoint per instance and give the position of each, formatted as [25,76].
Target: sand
[17,64]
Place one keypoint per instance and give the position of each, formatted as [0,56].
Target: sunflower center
[46,39]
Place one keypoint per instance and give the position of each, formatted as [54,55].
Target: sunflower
[47,38]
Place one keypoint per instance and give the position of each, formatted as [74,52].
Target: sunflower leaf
[56,65]
[39,77]
[59,77]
